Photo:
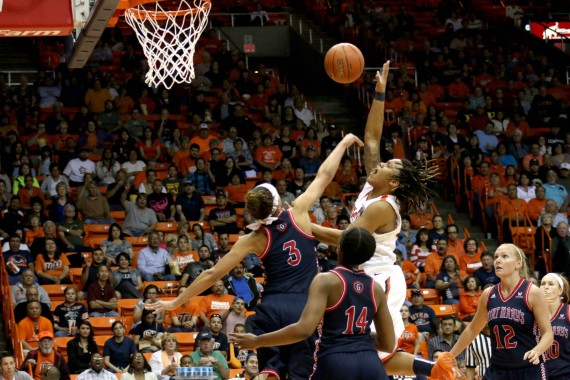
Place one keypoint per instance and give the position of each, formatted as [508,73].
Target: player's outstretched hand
[247,341]
[446,368]
[532,356]
[382,79]
[159,306]
[350,139]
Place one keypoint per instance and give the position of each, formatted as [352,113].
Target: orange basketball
[344,63]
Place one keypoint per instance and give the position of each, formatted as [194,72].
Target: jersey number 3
[351,323]
[294,254]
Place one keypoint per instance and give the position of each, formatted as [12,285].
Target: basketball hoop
[168,38]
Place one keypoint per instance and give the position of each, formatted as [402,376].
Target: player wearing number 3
[347,301]
[283,240]
[516,311]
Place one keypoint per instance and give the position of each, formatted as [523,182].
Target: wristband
[380,96]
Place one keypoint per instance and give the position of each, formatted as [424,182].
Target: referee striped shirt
[478,353]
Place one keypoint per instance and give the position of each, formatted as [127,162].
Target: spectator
[203,238]
[447,339]
[471,260]
[236,191]
[27,282]
[448,281]
[153,260]
[421,249]
[551,208]
[205,356]
[242,285]
[30,328]
[140,369]
[220,339]
[50,183]
[139,219]
[437,232]
[8,369]
[433,263]
[94,207]
[268,156]
[173,183]
[116,244]
[162,203]
[135,125]
[17,260]
[71,230]
[96,97]
[150,296]
[214,303]
[194,269]
[76,168]
[134,165]
[423,316]
[555,191]
[537,206]
[127,281]
[21,310]
[39,359]
[184,317]
[322,258]
[411,273]
[189,205]
[148,333]
[310,163]
[200,178]
[96,370]
[28,192]
[149,146]
[68,315]
[409,341]
[101,295]
[469,299]
[59,201]
[118,349]
[223,247]
[81,347]
[165,361]
[223,218]
[52,266]
[560,249]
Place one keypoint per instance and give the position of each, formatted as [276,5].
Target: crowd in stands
[97,147]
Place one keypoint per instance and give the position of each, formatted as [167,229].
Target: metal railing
[13,76]
[266,19]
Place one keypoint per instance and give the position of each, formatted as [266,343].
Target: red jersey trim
[299,228]
[333,307]
[512,293]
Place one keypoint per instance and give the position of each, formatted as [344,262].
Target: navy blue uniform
[558,356]
[345,349]
[513,333]
[290,262]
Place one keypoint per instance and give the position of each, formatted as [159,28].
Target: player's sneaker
[445,368]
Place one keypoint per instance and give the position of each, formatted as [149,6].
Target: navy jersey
[346,325]
[290,257]
[512,325]
[558,356]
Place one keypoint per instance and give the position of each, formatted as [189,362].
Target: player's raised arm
[375,121]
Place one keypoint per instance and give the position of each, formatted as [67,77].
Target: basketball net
[168,38]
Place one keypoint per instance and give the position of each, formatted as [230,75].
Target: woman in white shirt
[134,165]
[164,362]
[525,190]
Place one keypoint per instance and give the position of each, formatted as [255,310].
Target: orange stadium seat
[102,325]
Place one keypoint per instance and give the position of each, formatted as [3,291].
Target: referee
[478,353]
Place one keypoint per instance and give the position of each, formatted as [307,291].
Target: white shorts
[392,280]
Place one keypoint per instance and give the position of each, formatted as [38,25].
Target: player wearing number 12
[516,311]
[283,240]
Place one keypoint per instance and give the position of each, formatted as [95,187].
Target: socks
[423,366]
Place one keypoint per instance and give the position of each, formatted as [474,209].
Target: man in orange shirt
[454,244]
[188,163]
[183,152]
[267,156]
[44,358]
[434,262]
[512,211]
[203,139]
[536,205]
[215,303]
[184,317]
[411,272]
[30,327]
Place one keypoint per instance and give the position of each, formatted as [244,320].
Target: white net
[168,38]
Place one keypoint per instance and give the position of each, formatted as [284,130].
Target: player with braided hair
[390,186]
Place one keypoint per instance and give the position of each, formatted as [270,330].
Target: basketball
[344,63]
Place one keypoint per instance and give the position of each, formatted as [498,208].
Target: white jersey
[385,243]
